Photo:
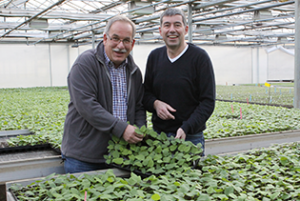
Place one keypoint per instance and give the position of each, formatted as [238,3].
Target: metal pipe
[68,57]
[297,56]
[257,63]
[93,40]
[232,8]
[190,23]
[106,19]
[31,18]
[246,11]
[50,64]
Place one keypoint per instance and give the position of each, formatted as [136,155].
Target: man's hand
[163,110]
[180,134]
[131,136]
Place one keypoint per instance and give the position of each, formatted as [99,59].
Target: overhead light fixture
[75,45]
[262,14]
[146,35]
[204,29]
[282,40]
[38,23]
[54,33]
[143,11]
[221,37]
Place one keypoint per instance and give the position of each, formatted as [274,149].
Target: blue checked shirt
[119,86]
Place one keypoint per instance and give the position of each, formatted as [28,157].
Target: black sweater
[188,85]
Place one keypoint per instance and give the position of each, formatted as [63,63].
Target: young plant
[156,154]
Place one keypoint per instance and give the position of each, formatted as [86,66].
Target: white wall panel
[24,66]
[231,65]
[263,65]
[140,54]
[29,66]
[59,64]
[74,52]
[81,49]
[259,65]
[280,65]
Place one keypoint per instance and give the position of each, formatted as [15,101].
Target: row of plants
[277,95]
[259,175]
[267,174]
[238,119]
[43,110]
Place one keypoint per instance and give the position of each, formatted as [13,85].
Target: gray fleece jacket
[89,122]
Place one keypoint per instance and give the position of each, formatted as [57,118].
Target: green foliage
[156,154]
[23,140]
[42,110]
[270,174]
[261,175]
[277,94]
[255,119]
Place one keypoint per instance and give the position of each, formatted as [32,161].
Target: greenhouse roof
[226,22]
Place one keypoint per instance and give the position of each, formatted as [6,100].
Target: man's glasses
[117,40]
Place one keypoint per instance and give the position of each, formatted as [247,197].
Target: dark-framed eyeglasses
[117,40]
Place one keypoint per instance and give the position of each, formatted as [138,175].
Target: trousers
[72,165]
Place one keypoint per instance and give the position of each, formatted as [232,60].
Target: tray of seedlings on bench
[24,143]
[155,155]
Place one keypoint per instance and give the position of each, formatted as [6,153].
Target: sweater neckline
[176,58]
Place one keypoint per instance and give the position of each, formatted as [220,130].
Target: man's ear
[104,38]
[133,41]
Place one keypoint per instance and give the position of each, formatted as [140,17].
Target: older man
[105,87]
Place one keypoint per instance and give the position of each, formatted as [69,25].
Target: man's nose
[121,45]
[172,28]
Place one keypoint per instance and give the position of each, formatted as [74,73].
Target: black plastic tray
[28,148]
[147,174]
[143,175]
[13,194]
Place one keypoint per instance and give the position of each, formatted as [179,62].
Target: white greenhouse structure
[252,136]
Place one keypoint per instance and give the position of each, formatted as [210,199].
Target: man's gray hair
[172,12]
[121,18]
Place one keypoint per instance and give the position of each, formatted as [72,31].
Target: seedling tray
[127,168]
[140,173]
[57,150]
[28,148]
[13,195]
[24,183]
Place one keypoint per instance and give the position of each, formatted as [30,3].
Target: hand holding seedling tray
[155,155]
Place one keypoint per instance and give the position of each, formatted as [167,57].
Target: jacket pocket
[80,128]
[85,129]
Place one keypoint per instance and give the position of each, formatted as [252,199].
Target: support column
[50,65]
[257,60]
[68,54]
[190,23]
[297,56]
[93,40]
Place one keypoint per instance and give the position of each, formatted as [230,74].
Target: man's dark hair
[172,12]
